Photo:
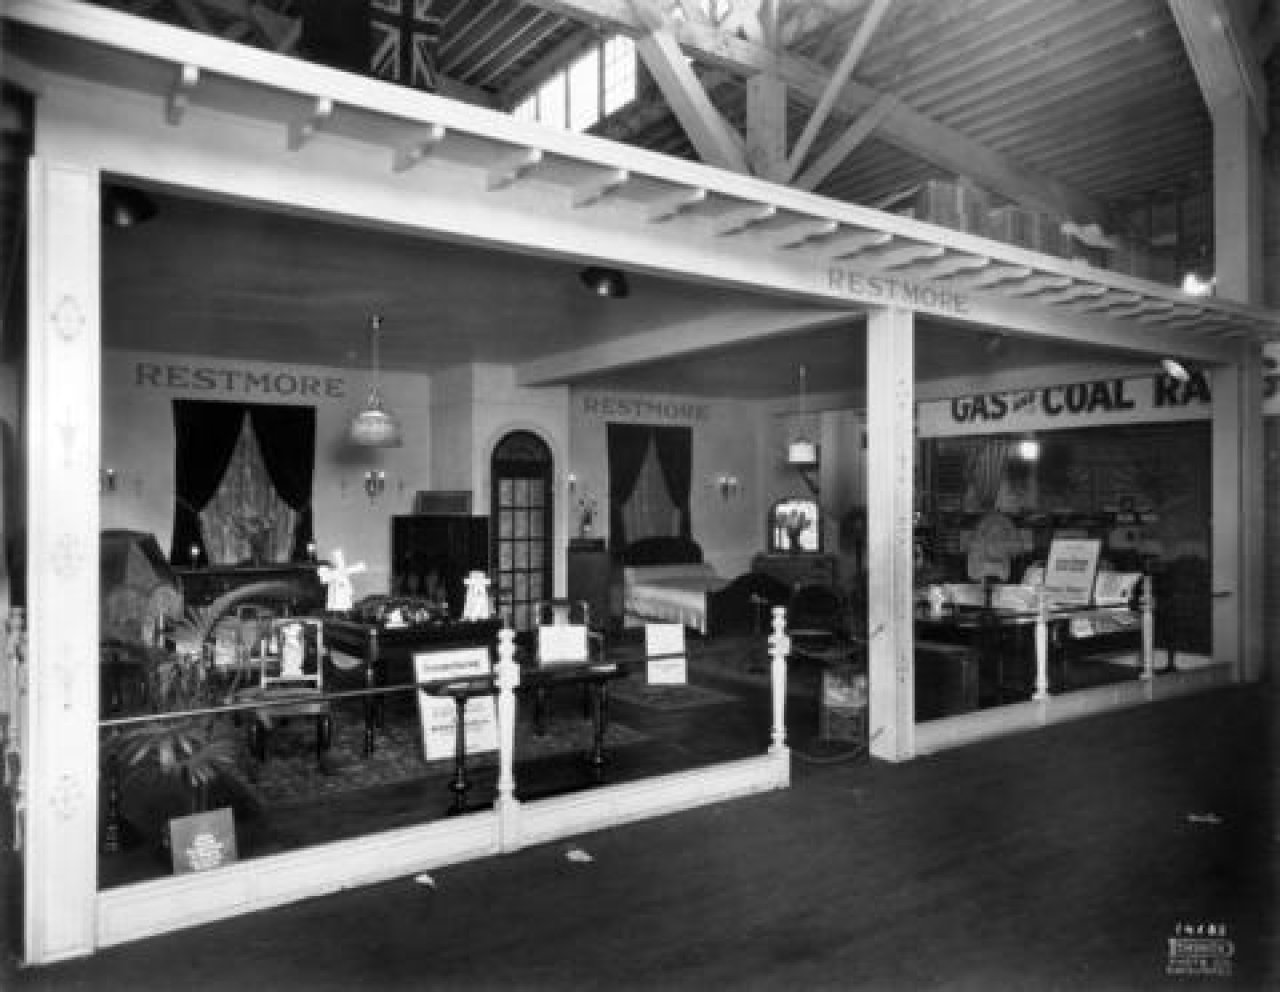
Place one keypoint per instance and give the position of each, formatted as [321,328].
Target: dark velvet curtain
[205,436]
[287,439]
[675,455]
[627,446]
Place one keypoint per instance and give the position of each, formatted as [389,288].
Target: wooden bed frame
[739,606]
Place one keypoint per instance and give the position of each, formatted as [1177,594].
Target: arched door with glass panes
[521,508]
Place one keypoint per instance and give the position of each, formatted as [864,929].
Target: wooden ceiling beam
[766,147]
[844,71]
[501,57]
[1219,47]
[840,149]
[533,76]
[904,127]
[715,141]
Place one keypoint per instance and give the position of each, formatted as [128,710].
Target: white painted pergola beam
[725,328]
[252,81]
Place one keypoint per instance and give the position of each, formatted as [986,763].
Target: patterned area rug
[291,773]
[746,660]
[637,691]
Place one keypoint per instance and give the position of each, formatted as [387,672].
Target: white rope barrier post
[1042,648]
[506,805]
[1148,606]
[779,648]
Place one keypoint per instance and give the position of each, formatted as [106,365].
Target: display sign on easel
[664,649]
[1071,570]
[202,841]
[438,714]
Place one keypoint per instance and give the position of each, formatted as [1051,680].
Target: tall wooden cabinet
[590,578]
[431,554]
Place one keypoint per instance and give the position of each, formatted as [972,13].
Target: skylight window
[594,85]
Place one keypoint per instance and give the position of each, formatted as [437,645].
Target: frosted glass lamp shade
[374,427]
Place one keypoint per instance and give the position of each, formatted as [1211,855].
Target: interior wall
[138,445]
[727,523]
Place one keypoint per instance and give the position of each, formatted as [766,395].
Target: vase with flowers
[586,515]
[794,524]
[256,532]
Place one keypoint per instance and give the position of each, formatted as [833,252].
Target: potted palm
[187,758]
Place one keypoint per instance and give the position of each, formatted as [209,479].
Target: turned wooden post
[1148,606]
[508,678]
[779,648]
[1042,647]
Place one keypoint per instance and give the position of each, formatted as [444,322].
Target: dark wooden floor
[1060,859]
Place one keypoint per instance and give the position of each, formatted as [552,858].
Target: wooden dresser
[201,586]
[798,569]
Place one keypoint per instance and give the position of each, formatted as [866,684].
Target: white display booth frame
[119,96]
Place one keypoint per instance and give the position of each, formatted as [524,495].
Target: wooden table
[378,656]
[990,631]
[596,676]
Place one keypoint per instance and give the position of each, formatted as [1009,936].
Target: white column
[1237,514]
[890,505]
[63,383]
[1237,200]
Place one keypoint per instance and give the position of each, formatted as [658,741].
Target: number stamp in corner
[1200,950]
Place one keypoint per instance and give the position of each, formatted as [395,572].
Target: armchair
[291,667]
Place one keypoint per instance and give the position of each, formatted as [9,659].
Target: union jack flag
[404,36]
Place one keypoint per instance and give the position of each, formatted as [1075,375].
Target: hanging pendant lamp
[802,450]
[375,426]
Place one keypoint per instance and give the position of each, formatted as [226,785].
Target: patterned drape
[247,521]
[243,475]
[985,470]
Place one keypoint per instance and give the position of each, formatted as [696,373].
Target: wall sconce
[728,486]
[571,481]
[375,484]
[107,480]
[1029,449]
